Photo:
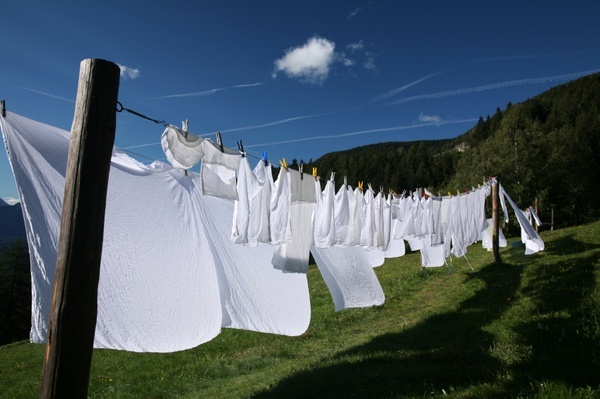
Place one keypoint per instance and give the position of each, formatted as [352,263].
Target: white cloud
[309,63]
[353,13]
[129,73]
[312,62]
[11,200]
[358,46]
[434,119]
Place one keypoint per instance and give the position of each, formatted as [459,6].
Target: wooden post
[496,222]
[74,302]
[537,212]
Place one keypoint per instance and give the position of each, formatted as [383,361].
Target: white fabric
[323,219]
[183,149]
[260,207]
[487,235]
[219,170]
[342,217]
[431,256]
[368,239]
[533,242]
[170,277]
[302,187]
[248,188]
[254,296]
[349,277]
[281,230]
[294,255]
[375,257]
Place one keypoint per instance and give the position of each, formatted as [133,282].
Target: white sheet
[349,277]
[168,266]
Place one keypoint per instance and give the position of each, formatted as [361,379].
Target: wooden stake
[74,302]
[496,222]
[537,212]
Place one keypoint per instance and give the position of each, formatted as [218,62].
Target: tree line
[547,147]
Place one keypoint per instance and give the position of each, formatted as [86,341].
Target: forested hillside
[547,147]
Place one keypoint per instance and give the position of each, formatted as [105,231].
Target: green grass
[528,328]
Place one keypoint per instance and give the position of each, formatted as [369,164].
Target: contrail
[44,93]
[493,86]
[208,92]
[387,129]
[400,89]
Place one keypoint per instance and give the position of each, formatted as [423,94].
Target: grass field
[528,328]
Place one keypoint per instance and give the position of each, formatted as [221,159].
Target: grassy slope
[527,328]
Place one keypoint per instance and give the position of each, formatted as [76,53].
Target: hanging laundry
[533,242]
[431,256]
[260,231]
[292,255]
[323,219]
[487,234]
[254,296]
[349,277]
[368,240]
[219,170]
[150,300]
[248,188]
[342,217]
[183,149]
[355,223]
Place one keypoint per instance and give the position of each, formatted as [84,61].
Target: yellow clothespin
[315,173]
[361,185]
[458,192]
[283,163]
[449,194]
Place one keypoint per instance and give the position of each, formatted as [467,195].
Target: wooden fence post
[496,222]
[72,322]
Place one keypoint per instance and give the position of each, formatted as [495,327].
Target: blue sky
[297,79]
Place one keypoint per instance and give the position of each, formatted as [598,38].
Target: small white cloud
[129,73]
[353,13]
[435,119]
[358,46]
[310,63]
[11,200]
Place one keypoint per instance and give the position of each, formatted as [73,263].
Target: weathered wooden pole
[74,302]
[537,212]
[496,222]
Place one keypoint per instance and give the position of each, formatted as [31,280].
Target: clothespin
[345,181]
[370,186]
[265,158]
[361,185]
[241,148]
[458,192]
[184,127]
[283,163]
[332,178]
[315,174]
[381,189]
[466,190]
[449,194]
[301,170]
[219,141]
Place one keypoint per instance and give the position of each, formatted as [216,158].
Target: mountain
[11,222]
[547,147]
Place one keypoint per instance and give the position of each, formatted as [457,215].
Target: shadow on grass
[564,333]
[450,349]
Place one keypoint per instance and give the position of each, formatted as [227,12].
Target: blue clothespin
[264,158]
